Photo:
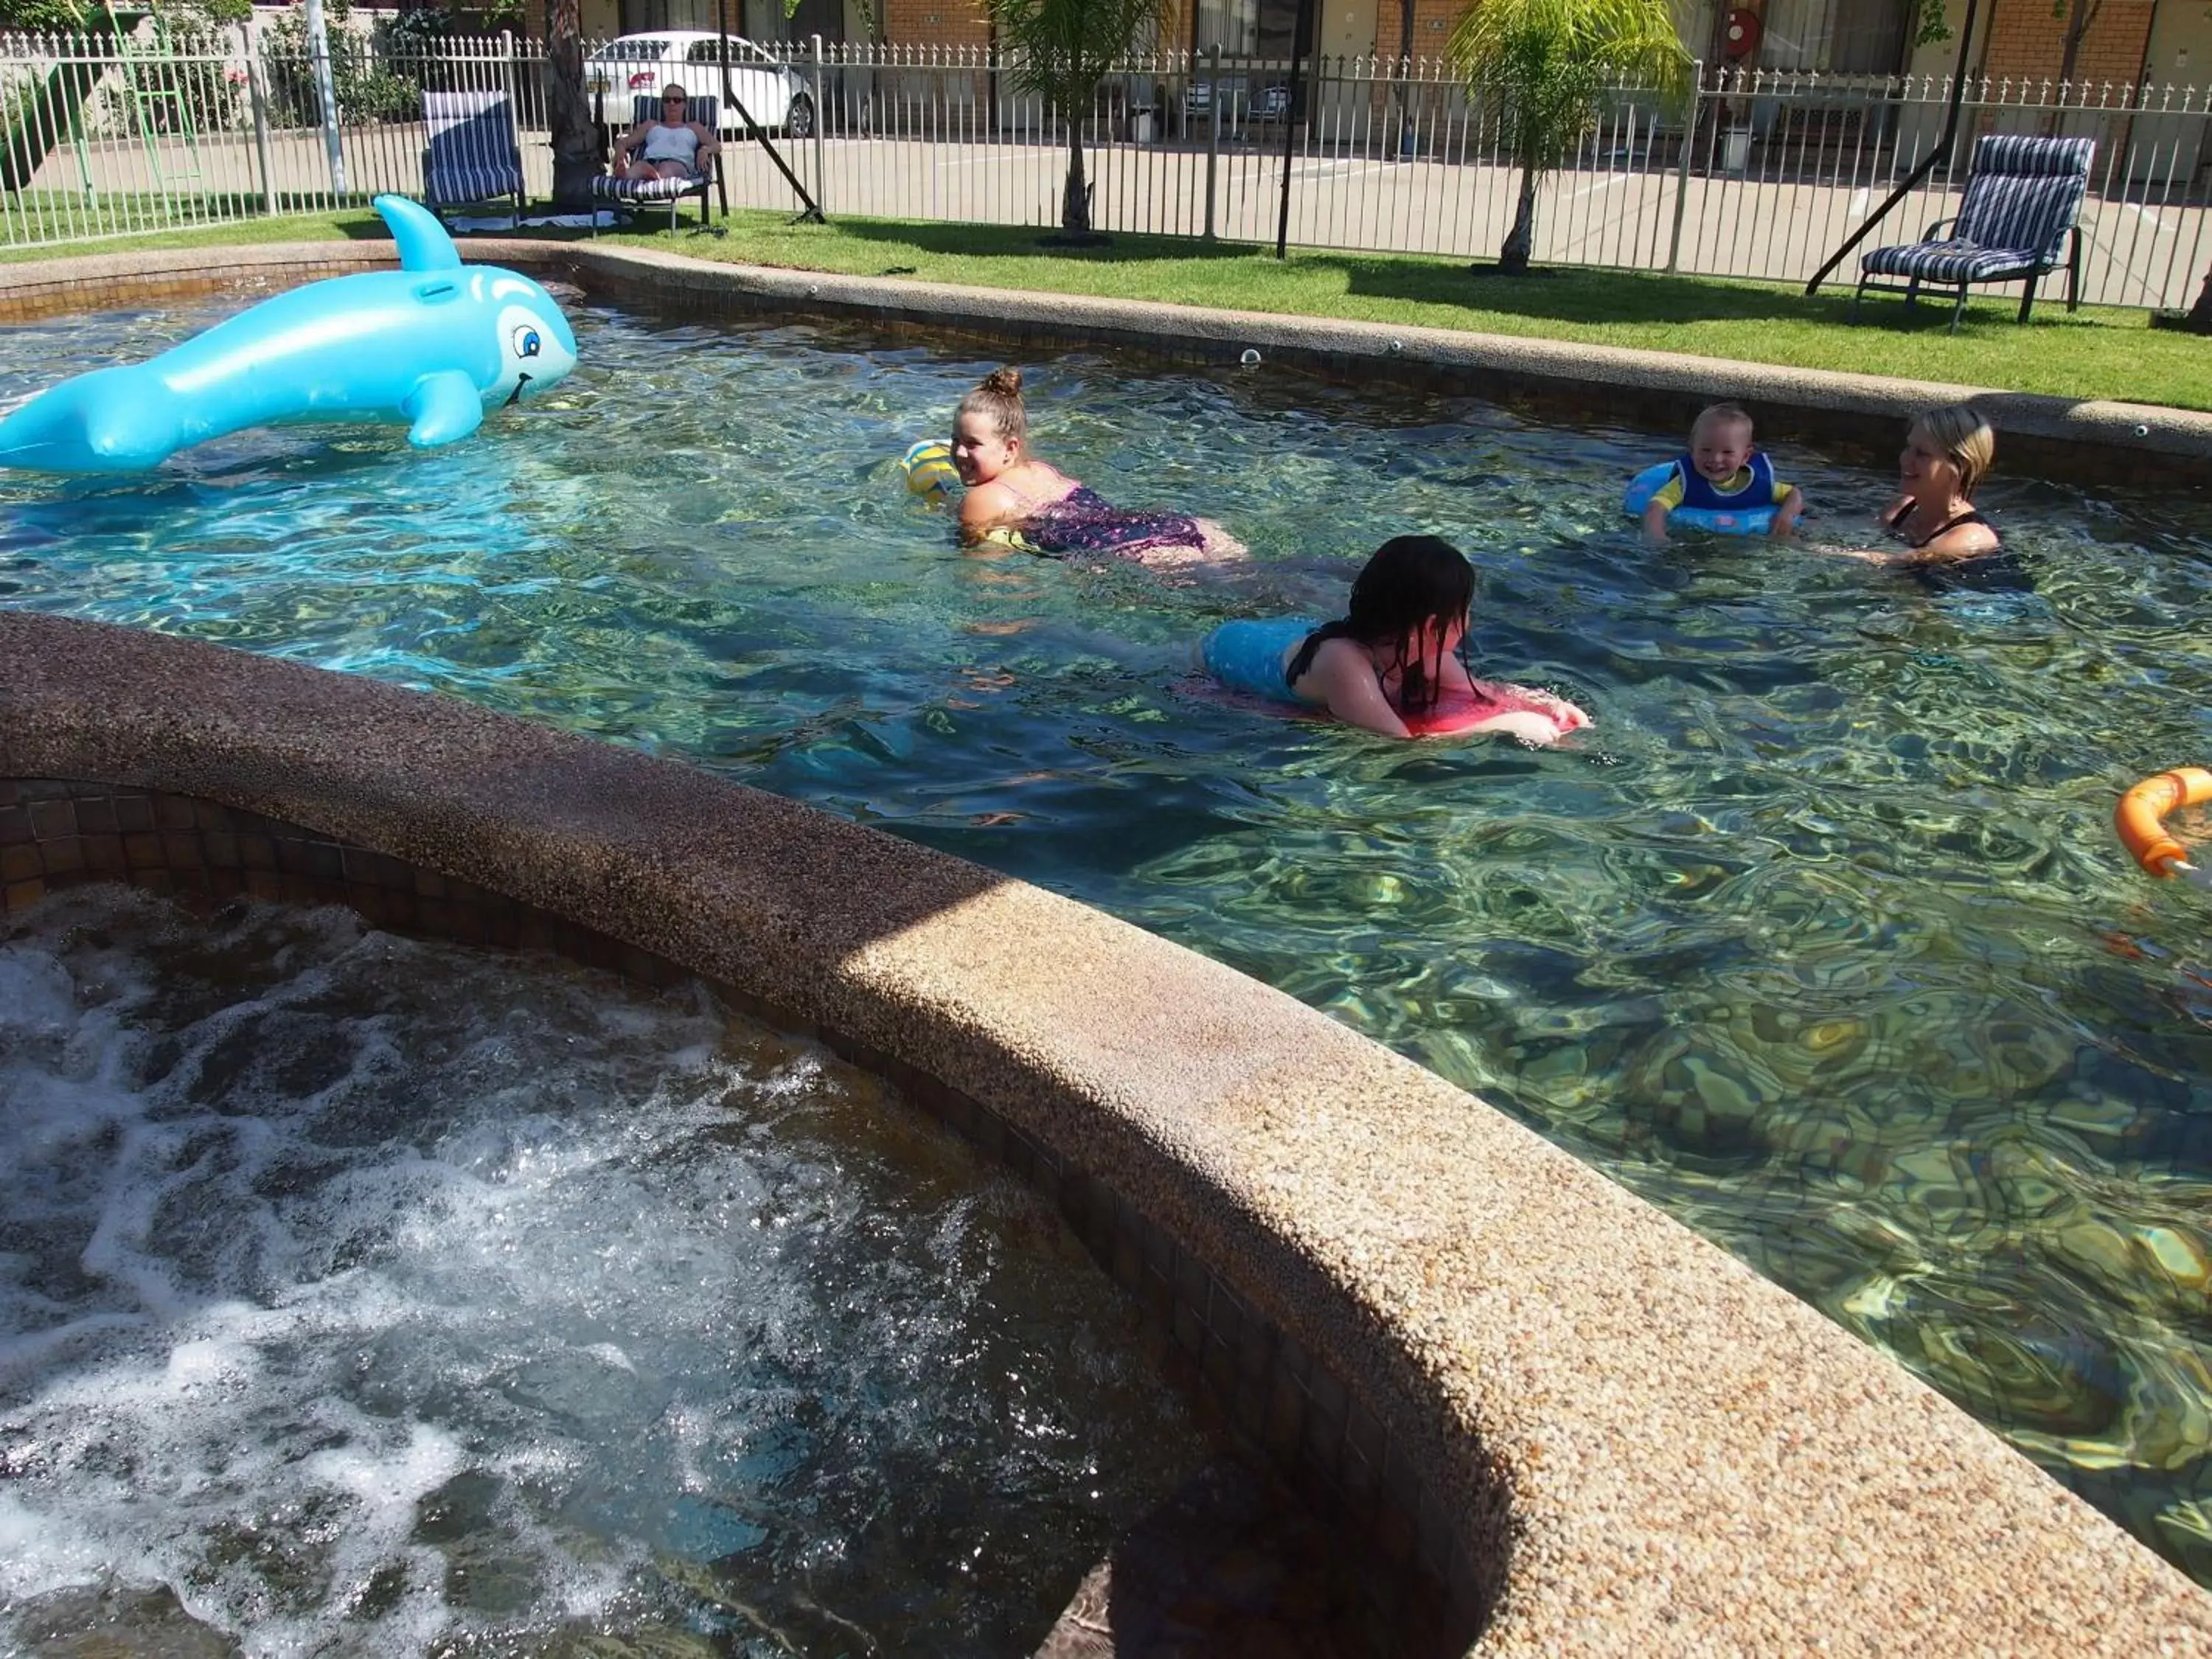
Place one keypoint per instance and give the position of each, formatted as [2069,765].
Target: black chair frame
[2032,274]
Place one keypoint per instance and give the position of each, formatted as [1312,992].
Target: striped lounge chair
[2015,226]
[471,156]
[635,192]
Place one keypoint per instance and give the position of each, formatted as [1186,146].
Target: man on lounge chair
[670,148]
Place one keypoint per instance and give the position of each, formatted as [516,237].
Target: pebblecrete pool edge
[1510,1381]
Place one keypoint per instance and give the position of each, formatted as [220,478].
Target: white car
[632,65]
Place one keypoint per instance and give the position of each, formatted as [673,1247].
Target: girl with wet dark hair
[1391,663]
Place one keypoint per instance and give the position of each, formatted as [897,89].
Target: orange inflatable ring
[2140,818]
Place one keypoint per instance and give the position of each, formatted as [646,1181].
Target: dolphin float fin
[423,243]
[443,406]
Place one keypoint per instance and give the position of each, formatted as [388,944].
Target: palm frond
[1633,40]
[1061,50]
[1546,67]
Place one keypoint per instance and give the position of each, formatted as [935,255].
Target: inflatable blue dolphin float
[433,343]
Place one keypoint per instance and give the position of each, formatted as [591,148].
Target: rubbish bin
[1735,151]
[1141,120]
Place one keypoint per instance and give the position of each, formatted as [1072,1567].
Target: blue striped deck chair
[640,192]
[471,156]
[2016,225]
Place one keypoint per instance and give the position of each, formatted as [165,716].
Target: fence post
[1682,165]
[319,43]
[1213,128]
[513,87]
[257,99]
[821,188]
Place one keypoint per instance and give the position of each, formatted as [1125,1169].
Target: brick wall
[1176,25]
[2027,41]
[963,22]
[1432,27]
[935,22]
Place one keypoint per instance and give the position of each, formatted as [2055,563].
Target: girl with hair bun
[1014,498]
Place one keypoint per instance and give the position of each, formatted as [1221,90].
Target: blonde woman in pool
[1946,542]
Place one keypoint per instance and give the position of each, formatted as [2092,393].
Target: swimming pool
[1820,942]
[369,1295]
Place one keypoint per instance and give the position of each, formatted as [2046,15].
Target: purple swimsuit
[1083,521]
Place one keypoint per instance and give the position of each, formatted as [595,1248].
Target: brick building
[2028,40]
[2127,41]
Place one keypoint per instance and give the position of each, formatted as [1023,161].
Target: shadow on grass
[1572,295]
[958,241]
[1647,297]
[1557,293]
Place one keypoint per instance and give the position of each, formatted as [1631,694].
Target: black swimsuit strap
[1896,523]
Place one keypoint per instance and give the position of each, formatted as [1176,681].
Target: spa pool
[1819,941]
[360,1296]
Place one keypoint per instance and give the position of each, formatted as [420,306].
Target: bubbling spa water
[365,1296]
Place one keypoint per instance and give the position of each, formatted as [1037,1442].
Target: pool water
[1819,940]
[361,1296]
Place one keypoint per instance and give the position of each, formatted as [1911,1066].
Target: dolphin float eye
[527,343]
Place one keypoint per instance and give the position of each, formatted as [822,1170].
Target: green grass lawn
[2098,352]
[353,224]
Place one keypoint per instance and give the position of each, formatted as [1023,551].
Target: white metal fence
[107,138]
[1755,175]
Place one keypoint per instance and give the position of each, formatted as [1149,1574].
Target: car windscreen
[741,51]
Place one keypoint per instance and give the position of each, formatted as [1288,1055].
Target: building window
[1248,28]
[1835,37]
[640,16]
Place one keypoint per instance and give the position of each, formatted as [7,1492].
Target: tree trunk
[577,155]
[2200,314]
[1075,195]
[1513,258]
[1401,93]
[2078,17]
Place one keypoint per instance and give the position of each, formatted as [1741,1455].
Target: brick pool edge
[2096,443]
[1604,1434]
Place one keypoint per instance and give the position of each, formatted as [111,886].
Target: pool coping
[1619,1440]
[2101,443]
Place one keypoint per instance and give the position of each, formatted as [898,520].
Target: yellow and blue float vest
[1748,511]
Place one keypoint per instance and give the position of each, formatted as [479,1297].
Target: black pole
[813,215]
[1942,148]
[1290,120]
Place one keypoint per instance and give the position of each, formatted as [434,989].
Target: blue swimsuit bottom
[1248,656]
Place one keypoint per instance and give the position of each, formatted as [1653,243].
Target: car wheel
[800,121]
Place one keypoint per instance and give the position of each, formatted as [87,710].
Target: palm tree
[1548,63]
[1062,50]
[576,136]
